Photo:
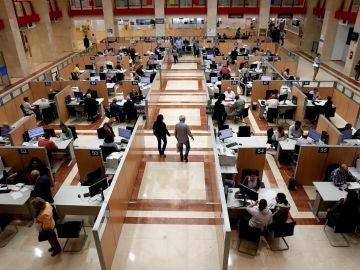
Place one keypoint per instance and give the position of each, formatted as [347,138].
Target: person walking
[46,224]
[175,55]
[86,42]
[357,71]
[160,131]
[316,65]
[182,134]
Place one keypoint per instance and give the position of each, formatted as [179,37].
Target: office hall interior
[179,134]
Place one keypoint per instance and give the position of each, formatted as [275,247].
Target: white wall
[340,48]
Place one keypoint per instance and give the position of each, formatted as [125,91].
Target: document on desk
[354,185]
[16,195]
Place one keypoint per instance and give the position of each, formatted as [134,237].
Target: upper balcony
[288,7]
[180,7]
[25,12]
[85,8]
[348,10]
[55,12]
[319,10]
[238,6]
[134,7]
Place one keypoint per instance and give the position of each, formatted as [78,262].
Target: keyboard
[232,144]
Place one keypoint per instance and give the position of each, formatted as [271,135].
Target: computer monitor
[153,56]
[109,66]
[95,78]
[213,66]
[89,67]
[252,194]
[313,134]
[346,134]
[51,96]
[4,132]
[35,132]
[98,187]
[145,79]
[253,66]
[125,133]
[214,79]
[92,74]
[78,95]
[242,50]
[283,97]
[265,78]
[213,74]
[225,133]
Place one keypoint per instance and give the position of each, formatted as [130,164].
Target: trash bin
[254,106]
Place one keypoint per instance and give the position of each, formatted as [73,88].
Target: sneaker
[55,252]
[186,160]
[50,249]
[181,159]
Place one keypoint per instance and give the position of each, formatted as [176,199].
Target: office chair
[287,114]
[152,77]
[73,131]
[223,127]
[69,230]
[94,94]
[309,96]
[243,114]
[244,131]
[330,113]
[119,76]
[276,233]
[251,236]
[269,134]
[271,114]
[50,131]
[47,115]
[5,234]
[107,150]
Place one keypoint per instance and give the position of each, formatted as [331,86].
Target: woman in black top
[219,112]
[160,131]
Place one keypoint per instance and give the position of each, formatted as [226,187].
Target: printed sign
[94,153]
[260,151]
[92,82]
[323,150]
[23,151]
[265,82]
[306,82]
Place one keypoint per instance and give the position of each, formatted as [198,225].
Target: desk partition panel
[301,103]
[313,161]
[325,125]
[260,87]
[62,110]
[23,124]
[88,160]
[250,158]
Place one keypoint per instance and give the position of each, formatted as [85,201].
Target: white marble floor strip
[71,175]
[171,214]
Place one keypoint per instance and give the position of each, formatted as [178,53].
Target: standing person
[182,134]
[93,39]
[160,131]
[42,186]
[86,42]
[316,65]
[357,71]
[175,55]
[46,224]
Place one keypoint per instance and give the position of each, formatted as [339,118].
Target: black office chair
[70,230]
[295,154]
[50,131]
[5,234]
[330,113]
[73,131]
[272,114]
[309,96]
[287,114]
[244,131]
[223,127]
[269,134]
[94,94]
[47,115]
[243,114]
[251,236]
[107,150]
[152,77]
[275,236]
[329,169]
[119,76]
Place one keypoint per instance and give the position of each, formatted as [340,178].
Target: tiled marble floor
[189,85]
[184,66]
[171,116]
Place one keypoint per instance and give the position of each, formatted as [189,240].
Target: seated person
[28,109]
[224,71]
[76,70]
[327,107]
[119,68]
[233,55]
[252,181]
[229,95]
[237,107]
[219,112]
[286,73]
[281,211]
[66,132]
[261,216]
[295,131]
[47,143]
[90,107]
[115,109]
[346,211]
[108,130]
[279,135]
[342,176]
[129,109]
[348,126]
[37,164]
[315,94]
[109,142]
[139,71]
[272,104]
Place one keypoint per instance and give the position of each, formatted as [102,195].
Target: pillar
[64,30]
[41,37]
[211,18]
[11,43]
[109,20]
[328,30]
[311,27]
[264,15]
[355,49]
[159,17]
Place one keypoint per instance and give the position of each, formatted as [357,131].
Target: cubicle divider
[109,222]
[229,83]
[128,86]
[260,88]
[65,73]
[88,160]
[23,124]
[229,45]
[62,110]
[250,158]
[18,158]
[313,161]
[242,59]
[42,89]
[324,124]
[283,64]
[301,103]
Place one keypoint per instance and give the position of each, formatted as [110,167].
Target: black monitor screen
[89,67]
[5,132]
[98,187]
[109,66]
[51,96]
[252,194]
[253,66]
[213,66]
[79,95]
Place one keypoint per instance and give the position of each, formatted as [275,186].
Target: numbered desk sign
[92,82]
[23,151]
[134,82]
[323,150]
[92,58]
[260,151]
[306,83]
[95,153]
[265,82]
[234,82]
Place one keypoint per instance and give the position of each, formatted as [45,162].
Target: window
[133,4]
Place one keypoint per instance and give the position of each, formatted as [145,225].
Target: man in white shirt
[303,139]
[272,102]
[28,110]
[295,131]
[315,93]
[229,95]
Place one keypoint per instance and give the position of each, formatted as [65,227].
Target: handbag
[45,235]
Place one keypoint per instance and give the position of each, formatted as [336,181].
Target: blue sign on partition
[95,153]
[323,150]
[3,71]
[234,82]
[260,151]
[47,83]
[92,82]
[23,151]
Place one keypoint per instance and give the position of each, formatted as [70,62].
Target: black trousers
[159,139]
